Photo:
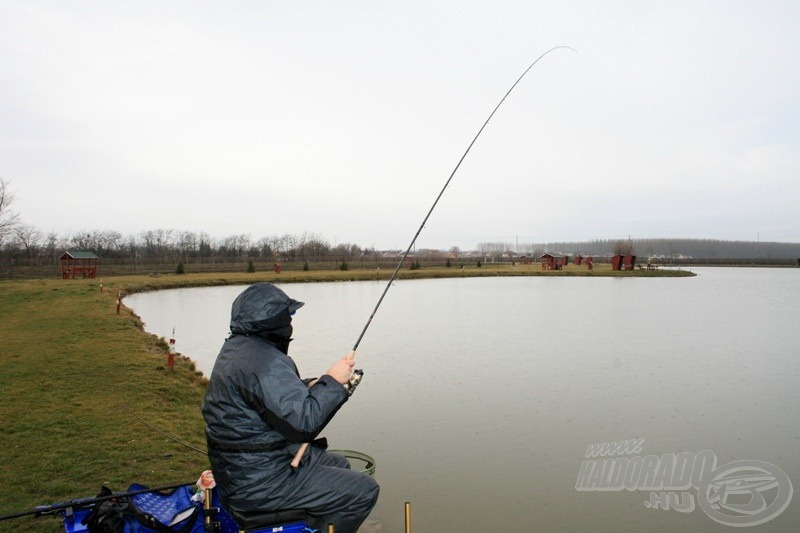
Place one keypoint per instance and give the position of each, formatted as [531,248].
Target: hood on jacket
[262,308]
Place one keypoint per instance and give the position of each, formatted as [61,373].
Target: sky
[343,120]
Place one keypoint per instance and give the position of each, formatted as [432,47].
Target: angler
[258,411]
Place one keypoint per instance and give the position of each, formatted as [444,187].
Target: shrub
[179,269]
[251,267]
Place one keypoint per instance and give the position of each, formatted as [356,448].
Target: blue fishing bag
[148,512]
[167,513]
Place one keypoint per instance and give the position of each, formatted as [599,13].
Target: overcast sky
[344,119]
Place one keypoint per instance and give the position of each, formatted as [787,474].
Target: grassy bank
[77,378]
[73,376]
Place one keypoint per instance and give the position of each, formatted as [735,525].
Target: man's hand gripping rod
[355,379]
[352,383]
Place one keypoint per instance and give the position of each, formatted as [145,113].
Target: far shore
[140,283]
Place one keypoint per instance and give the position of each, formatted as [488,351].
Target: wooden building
[552,261]
[78,264]
[623,262]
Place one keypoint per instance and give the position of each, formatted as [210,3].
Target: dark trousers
[330,491]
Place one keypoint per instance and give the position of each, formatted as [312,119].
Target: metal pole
[408,517]
[207,508]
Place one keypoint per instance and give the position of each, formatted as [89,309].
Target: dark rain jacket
[257,409]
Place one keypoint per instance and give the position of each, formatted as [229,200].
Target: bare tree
[8,218]
[623,248]
[264,245]
[285,245]
[494,249]
[51,246]
[157,243]
[236,246]
[187,244]
[27,238]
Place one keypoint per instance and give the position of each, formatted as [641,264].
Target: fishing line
[170,437]
[414,240]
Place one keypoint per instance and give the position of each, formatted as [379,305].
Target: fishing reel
[355,379]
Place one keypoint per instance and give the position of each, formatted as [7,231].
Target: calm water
[481,396]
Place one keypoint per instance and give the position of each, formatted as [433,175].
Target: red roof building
[78,264]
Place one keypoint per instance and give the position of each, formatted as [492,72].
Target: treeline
[680,249]
[25,248]
[169,247]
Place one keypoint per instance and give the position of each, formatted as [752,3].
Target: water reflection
[481,395]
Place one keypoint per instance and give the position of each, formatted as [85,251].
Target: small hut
[552,261]
[78,264]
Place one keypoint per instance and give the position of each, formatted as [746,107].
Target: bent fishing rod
[435,202]
[357,374]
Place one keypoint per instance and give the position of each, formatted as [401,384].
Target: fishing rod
[424,220]
[87,502]
[357,374]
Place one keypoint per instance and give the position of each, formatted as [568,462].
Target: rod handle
[299,455]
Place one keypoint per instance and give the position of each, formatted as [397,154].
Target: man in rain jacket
[258,411]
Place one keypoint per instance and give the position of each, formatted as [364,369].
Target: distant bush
[344,266]
[251,267]
[179,269]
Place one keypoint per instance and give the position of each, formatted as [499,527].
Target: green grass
[74,375]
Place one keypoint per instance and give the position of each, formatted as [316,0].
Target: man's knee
[369,493]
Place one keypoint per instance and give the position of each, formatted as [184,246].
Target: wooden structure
[623,262]
[76,264]
[553,261]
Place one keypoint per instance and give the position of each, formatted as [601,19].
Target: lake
[483,398]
